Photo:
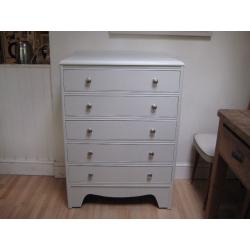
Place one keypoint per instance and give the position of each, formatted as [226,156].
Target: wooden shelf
[14,65]
[39,41]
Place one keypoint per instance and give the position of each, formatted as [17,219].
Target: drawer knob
[89,131]
[88,106]
[149,177]
[155,81]
[90,154]
[152,131]
[153,107]
[151,155]
[238,156]
[90,176]
[88,81]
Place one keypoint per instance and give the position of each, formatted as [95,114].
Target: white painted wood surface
[120,153]
[121,80]
[121,106]
[122,92]
[120,175]
[162,193]
[26,124]
[90,130]
[121,58]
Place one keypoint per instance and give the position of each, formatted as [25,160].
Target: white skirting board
[184,171]
[27,167]
[48,168]
[57,169]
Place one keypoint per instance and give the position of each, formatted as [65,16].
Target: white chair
[204,145]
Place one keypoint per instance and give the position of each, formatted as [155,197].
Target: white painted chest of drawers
[121,117]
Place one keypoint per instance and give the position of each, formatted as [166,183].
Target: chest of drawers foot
[162,194]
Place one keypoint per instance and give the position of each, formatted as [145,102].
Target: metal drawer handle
[151,155]
[238,156]
[152,131]
[88,81]
[89,131]
[90,176]
[88,106]
[153,107]
[90,154]
[149,177]
[155,81]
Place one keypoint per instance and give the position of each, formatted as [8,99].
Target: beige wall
[216,74]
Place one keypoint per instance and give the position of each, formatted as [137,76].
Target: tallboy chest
[121,118]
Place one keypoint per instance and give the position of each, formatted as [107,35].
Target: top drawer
[121,80]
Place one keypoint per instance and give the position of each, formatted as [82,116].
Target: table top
[238,121]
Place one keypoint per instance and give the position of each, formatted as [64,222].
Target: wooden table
[233,151]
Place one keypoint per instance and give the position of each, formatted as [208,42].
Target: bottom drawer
[119,175]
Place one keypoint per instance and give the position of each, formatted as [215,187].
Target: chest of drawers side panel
[68,185]
[178,121]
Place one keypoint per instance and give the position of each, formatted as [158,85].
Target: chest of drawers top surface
[121,58]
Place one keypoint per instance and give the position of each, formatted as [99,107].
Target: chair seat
[205,145]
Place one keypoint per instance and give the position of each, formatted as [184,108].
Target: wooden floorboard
[45,197]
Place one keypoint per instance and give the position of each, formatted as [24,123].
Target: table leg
[219,171]
[245,206]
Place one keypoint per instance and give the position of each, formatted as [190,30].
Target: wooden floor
[45,197]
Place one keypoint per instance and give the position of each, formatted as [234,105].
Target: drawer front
[119,175]
[104,152]
[236,154]
[121,80]
[120,130]
[107,106]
